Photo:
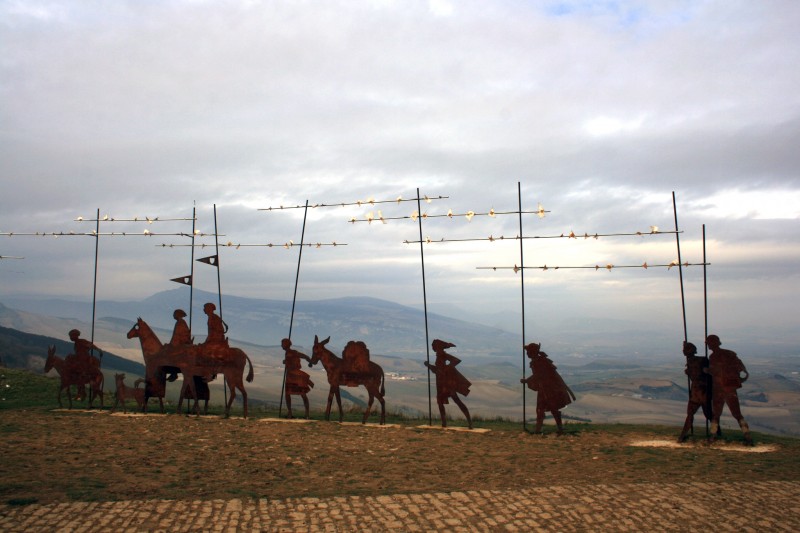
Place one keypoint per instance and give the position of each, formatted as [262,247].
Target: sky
[594,111]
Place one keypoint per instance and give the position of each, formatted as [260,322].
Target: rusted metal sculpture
[216,326]
[699,385]
[351,370]
[156,377]
[297,382]
[552,393]
[204,360]
[75,372]
[449,381]
[726,371]
[125,392]
[81,356]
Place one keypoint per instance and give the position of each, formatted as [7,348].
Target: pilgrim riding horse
[370,375]
[197,361]
[156,377]
[72,375]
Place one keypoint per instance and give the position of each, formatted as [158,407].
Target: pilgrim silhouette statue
[80,362]
[552,394]
[449,381]
[699,387]
[298,382]
[727,375]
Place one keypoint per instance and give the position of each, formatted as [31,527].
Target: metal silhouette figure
[156,377]
[181,334]
[125,392]
[552,393]
[217,328]
[351,370]
[699,387]
[72,372]
[81,359]
[198,361]
[449,381]
[297,382]
[726,371]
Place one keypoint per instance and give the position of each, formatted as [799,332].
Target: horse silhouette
[368,374]
[156,377]
[74,373]
[200,361]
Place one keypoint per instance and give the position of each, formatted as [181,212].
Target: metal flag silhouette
[184,280]
[212,260]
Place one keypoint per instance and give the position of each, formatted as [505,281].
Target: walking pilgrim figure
[449,381]
[298,382]
[726,371]
[699,386]
[552,393]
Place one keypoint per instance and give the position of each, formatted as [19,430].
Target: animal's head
[318,350]
[51,359]
[134,332]
[119,378]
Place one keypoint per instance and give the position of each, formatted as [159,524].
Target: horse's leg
[328,408]
[383,408]
[244,398]
[369,406]
[339,404]
[232,387]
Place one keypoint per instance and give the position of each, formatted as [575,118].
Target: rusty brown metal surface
[699,385]
[372,377]
[298,382]
[450,382]
[552,393]
[199,363]
[79,369]
[727,375]
[125,392]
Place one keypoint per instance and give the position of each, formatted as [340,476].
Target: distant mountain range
[387,328]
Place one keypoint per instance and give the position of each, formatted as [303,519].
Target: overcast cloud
[598,109]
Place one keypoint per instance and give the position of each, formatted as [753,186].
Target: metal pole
[219,294]
[191,269]
[294,301]
[705,326]
[683,301]
[425,308]
[94,290]
[522,299]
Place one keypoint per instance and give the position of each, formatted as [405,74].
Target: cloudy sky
[599,110]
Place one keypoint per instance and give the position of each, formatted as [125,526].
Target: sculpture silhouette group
[713,381]
[199,363]
[713,384]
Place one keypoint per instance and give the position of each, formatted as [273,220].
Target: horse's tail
[249,374]
[383,382]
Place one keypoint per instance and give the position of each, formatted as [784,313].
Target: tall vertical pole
[94,290]
[522,299]
[294,301]
[680,266]
[191,270]
[425,308]
[219,292]
[705,325]
[683,301]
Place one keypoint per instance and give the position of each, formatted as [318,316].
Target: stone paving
[759,506]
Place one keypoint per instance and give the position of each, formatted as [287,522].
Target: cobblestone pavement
[760,506]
